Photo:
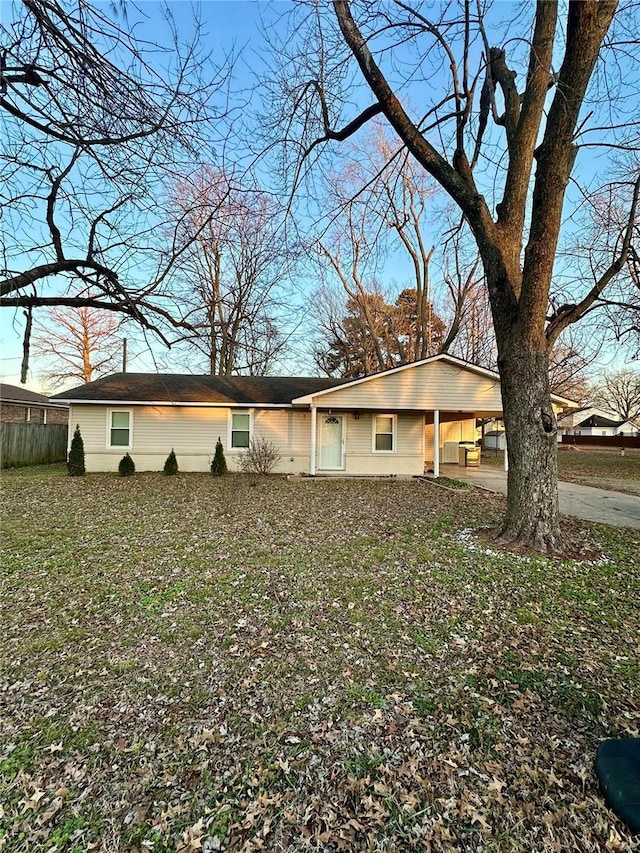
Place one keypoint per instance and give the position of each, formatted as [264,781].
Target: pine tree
[171,465]
[127,466]
[219,464]
[75,463]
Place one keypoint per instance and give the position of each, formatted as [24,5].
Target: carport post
[312,451]
[506,454]
[436,442]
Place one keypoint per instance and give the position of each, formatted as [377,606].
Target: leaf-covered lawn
[193,664]
[603,468]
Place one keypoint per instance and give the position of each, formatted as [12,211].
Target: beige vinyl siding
[192,432]
[289,429]
[436,385]
[406,460]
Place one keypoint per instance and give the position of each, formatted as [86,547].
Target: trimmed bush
[75,463]
[219,464]
[261,457]
[126,466]
[171,465]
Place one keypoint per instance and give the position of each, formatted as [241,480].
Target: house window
[384,433]
[240,430]
[120,428]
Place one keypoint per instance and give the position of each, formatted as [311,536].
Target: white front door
[331,442]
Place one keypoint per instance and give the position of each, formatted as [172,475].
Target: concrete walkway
[600,505]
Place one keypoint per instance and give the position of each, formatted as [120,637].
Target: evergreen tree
[75,463]
[126,466]
[171,465]
[219,464]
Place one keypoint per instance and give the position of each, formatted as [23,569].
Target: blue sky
[229,26]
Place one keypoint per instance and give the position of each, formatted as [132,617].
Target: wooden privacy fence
[32,444]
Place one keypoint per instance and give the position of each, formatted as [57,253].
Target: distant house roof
[599,421]
[23,397]
[188,389]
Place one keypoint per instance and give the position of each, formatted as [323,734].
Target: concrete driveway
[580,501]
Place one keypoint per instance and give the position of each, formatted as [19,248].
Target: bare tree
[499,132]
[94,120]
[234,270]
[78,343]
[619,392]
[470,332]
[384,212]
[567,373]
[603,218]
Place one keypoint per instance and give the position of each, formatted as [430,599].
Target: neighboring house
[629,428]
[391,423]
[594,422]
[19,405]
[598,425]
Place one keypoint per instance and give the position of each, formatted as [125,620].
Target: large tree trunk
[532,517]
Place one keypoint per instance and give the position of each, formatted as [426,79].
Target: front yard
[193,664]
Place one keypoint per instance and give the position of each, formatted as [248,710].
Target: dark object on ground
[618,769]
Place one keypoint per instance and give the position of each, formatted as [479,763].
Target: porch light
[356,416]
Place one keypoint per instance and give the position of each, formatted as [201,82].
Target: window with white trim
[240,438]
[120,428]
[384,433]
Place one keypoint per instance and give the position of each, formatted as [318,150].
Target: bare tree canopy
[94,120]
[232,274]
[384,203]
[504,107]
[619,392]
[78,344]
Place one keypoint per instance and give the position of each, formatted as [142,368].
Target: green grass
[191,662]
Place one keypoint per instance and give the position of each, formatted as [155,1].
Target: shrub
[219,464]
[171,465]
[75,463]
[126,466]
[261,457]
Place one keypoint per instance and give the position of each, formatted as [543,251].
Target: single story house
[597,425]
[396,422]
[21,406]
[595,422]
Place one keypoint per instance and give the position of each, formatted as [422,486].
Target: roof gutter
[179,403]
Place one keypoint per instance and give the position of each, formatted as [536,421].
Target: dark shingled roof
[16,394]
[185,388]
[598,421]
